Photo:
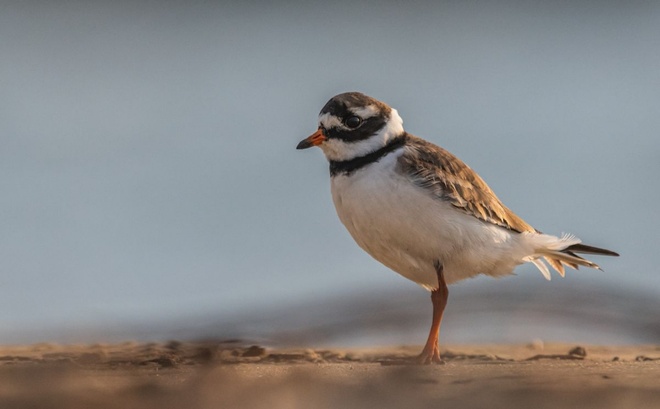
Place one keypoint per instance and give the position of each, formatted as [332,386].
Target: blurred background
[150,186]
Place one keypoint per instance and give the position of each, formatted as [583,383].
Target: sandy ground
[230,375]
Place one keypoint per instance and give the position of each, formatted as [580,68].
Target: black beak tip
[304,144]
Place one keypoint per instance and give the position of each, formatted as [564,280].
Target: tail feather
[542,268]
[559,256]
[583,248]
[556,264]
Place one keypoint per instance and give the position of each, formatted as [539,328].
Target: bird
[421,211]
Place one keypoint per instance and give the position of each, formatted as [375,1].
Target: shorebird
[421,211]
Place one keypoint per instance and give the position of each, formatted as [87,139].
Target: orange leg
[431,352]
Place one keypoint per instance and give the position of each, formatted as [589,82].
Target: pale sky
[148,165]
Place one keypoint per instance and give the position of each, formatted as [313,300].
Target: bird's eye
[353,121]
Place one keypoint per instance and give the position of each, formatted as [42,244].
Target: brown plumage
[448,178]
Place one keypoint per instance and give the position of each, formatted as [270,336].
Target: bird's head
[353,125]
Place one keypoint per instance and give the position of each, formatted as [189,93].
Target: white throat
[338,150]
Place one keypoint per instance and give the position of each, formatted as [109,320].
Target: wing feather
[448,178]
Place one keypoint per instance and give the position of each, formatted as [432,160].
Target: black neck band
[349,166]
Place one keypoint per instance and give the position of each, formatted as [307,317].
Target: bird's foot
[430,355]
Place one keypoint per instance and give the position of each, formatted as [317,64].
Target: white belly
[408,230]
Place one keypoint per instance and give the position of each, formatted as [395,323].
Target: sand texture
[232,375]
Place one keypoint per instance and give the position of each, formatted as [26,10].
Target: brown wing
[448,178]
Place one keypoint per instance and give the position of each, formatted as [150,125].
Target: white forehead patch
[330,121]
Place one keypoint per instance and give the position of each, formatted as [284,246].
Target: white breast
[405,228]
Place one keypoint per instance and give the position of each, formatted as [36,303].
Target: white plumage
[408,230]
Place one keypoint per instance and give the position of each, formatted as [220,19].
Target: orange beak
[314,139]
